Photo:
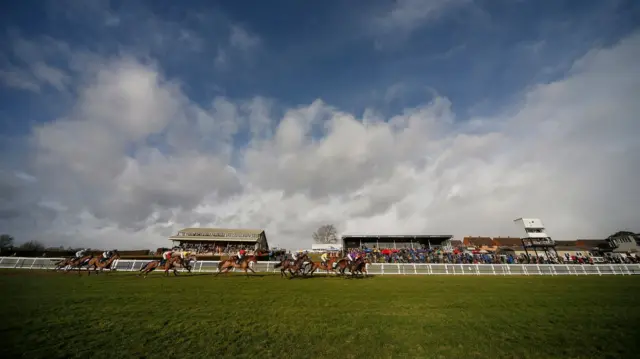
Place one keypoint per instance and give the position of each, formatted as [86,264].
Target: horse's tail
[220,264]
[278,265]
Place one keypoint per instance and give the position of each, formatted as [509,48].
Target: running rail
[133,265]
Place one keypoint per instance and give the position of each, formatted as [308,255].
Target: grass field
[52,315]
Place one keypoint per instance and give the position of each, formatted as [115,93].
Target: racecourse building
[220,241]
[397,241]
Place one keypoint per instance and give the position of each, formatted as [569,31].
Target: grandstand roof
[218,234]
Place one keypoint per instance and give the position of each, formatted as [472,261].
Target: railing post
[477,269]
[493,269]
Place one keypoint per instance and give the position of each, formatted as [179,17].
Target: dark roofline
[403,236]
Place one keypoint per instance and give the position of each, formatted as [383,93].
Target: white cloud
[398,21]
[135,159]
[241,39]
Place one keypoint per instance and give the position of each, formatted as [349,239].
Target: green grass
[52,315]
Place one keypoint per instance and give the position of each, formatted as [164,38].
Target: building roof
[218,234]
[507,241]
[222,230]
[478,241]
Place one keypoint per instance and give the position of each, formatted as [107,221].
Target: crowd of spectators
[429,255]
[216,249]
[462,256]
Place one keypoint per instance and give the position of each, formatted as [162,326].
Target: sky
[122,122]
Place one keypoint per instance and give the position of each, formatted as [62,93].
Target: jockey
[241,254]
[81,253]
[165,257]
[324,258]
[294,256]
[106,255]
[350,257]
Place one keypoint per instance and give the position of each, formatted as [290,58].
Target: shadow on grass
[331,276]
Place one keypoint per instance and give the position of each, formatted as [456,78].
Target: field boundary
[132,265]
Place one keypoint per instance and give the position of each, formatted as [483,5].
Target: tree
[326,234]
[32,246]
[6,241]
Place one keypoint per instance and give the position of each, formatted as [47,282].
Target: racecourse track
[120,315]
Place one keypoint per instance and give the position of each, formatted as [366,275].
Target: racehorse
[62,264]
[357,266]
[96,263]
[319,265]
[294,267]
[245,264]
[171,263]
[360,267]
[78,263]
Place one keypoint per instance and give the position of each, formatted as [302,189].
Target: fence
[376,268]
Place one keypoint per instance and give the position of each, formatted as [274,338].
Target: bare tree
[32,246]
[326,234]
[6,241]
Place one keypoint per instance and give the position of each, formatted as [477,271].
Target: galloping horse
[78,263]
[245,264]
[171,263]
[288,265]
[319,265]
[354,267]
[62,264]
[360,267]
[96,263]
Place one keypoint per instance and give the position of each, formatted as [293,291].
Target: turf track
[52,315]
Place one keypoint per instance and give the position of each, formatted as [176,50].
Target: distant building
[324,247]
[255,239]
[624,242]
[535,237]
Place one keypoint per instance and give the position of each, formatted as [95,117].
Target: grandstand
[397,241]
[219,240]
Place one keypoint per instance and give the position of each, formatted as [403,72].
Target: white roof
[330,246]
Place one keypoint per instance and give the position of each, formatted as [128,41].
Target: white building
[321,247]
[535,236]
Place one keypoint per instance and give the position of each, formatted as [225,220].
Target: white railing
[374,268]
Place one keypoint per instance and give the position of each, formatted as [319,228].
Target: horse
[245,264]
[360,266]
[79,263]
[353,267]
[294,267]
[319,265]
[171,263]
[290,265]
[96,263]
[62,264]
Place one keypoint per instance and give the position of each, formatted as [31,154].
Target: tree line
[8,242]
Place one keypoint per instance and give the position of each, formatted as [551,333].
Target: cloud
[404,17]
[135,158]
[241,39]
